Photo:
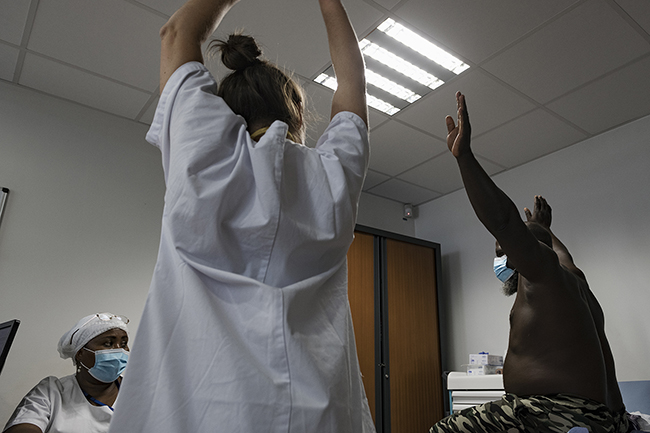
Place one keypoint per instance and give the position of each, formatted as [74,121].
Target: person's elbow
[351,96]
[169,33]
[344,101]
[179,30]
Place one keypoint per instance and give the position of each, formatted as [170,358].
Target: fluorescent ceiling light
[372,101]
[380,105]
[327,81]
[391,87]
[401,85]
[422,46]
[397,63]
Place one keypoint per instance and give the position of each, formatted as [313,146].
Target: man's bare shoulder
[555,280]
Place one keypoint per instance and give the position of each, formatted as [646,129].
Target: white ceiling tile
[167,7]
[403,192]
[610,101]
[388,4]
[584,44]
[376,118]
[13,17]
[8,59]
[441,173]
[297,44]
[373,179]
[483,94]
[477,29]
[638,10]
[75,85]
[395,147]
[128,52]
[147,116]
[529,137]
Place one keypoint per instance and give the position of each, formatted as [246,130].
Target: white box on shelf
[485,359]
[482,370]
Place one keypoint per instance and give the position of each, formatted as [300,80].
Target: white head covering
[85,330]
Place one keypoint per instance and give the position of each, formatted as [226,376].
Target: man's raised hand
[458,136]
[541,213]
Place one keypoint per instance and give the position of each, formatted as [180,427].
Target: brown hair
[258,90]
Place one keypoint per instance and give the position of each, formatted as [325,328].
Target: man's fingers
[463,116]
[450,124]
[541,204]
[544,202]
[528,214]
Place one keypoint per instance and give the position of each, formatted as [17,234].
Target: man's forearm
[491,205]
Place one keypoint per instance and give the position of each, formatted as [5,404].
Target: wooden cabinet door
[414,368]
[394,304]
[361,293]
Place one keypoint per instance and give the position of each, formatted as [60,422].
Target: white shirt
[247,324]
[59,406]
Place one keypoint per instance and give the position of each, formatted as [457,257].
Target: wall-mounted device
[4,193]
[408,211]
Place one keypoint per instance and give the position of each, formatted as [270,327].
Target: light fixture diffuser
[391,87]
[403,75]
[400,65]
[419,44]
[372,101]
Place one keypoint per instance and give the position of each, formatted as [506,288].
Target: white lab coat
[59,406]
[247,325]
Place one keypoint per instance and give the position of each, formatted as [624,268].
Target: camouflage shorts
[557,414]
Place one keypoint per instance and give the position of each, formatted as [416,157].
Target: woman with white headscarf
[82,402]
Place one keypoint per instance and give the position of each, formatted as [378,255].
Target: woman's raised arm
[182,36]
[346,59]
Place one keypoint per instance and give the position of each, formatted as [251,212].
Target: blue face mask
[109,364]
[502,271]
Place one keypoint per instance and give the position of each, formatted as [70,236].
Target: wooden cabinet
[393,284]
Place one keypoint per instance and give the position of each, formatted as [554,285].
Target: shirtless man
[558,357]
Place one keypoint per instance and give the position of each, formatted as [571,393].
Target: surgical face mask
[109,364]
[502,271]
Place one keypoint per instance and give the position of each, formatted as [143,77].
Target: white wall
[599,192]
[384,214]
[82,225]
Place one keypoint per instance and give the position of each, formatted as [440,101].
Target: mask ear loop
[80,364]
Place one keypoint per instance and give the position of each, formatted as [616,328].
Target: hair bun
[239,52]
